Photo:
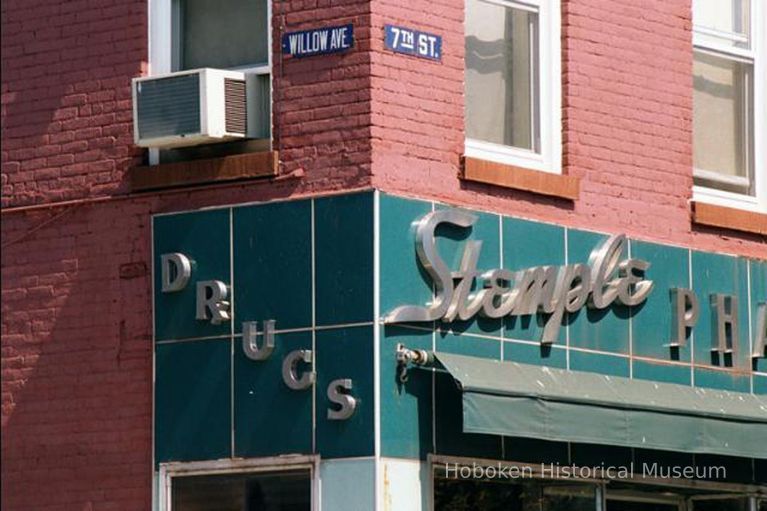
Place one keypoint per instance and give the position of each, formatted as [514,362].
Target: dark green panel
[192,401]
[605,329]
[669,268]
[451,243]
[722,379]
[598,363]
[204,238]
[535,354]
[716,273]
[664,372]
[758,295]
[403,282]
[346,353]
[343,240]
[406,408]
[527,244]
[269,418]
[273,264]
[469,345]
[450,438]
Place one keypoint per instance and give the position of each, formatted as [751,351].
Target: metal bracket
[407,356]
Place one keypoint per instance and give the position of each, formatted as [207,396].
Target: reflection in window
[479,495]
[502,75]
[721,123]
[220,33]
[284,491]
[721,504]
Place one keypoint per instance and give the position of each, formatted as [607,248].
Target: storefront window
[721,504]
[478,495]
[283,491]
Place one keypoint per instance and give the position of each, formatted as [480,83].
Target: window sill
[518,178]
[213,170]
[729,218]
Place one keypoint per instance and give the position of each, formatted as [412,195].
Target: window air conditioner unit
[189,108]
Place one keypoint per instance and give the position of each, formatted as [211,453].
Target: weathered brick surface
[627,121]
[76,359]
[76,325]
[322,105]
[66,106]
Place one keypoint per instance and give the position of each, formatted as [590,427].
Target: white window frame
[272,465]
[161,47]
[756,55]
[549,96]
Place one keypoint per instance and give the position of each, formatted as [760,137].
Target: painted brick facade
[76,327]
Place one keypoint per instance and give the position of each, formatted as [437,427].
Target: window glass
[721,122]
[479,495]
[714,504]
[627,505]
[220,33]
[501,75]
[723,21]
[284,491]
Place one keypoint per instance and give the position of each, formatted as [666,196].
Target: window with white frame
[220,34]
[729,103]
[513,82]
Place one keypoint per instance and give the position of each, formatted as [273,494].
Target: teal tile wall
[212,401]
[527,244]
[472,346]
[599,363]
[344,258]
[588,341]
[204,238]
[758,295]
[198,416]
[450,244]
[192,400]
[651,320]
[269,418]
[760,384]
[596,329]
[273,270]
[662,371]
[406,408]
[346,353]
[716,273]
[404,281]
[524,353]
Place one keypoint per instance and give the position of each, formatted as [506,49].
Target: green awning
[511,399]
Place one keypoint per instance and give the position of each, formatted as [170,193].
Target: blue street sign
[318,41]
[412,42]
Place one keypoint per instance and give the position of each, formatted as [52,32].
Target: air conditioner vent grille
[235,106]
[169,106]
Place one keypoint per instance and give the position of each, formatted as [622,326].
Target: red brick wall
[66,104]
[76,303]
[76,325]
[322,104]
[627,120]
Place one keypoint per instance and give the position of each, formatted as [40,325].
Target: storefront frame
[274,464]
[755,493]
